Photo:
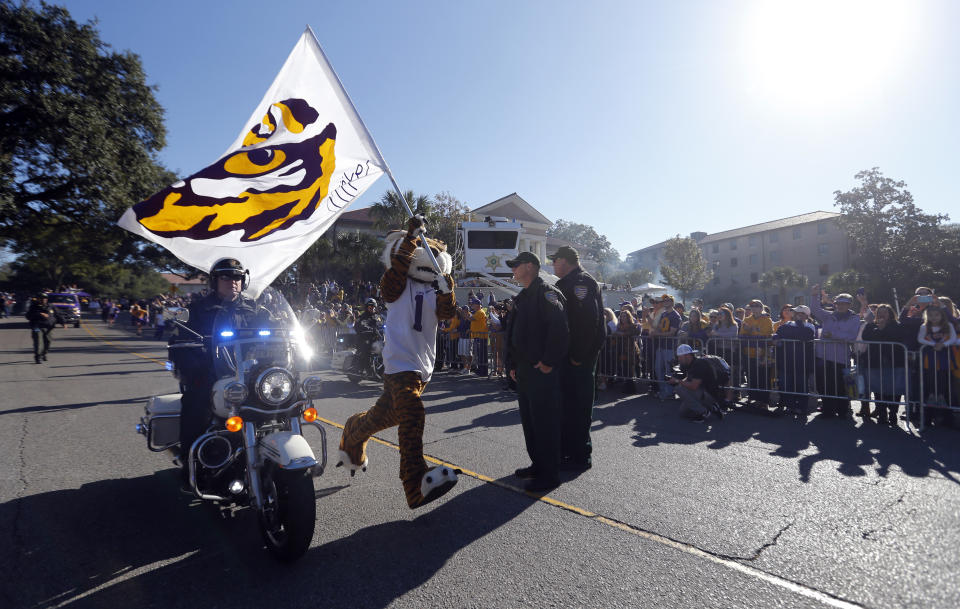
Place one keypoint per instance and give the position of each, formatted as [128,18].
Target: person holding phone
[838,327]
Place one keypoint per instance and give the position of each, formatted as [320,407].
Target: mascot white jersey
[411,333]
[417,298]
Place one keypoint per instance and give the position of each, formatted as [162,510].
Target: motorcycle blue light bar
[264,332]
[226,333]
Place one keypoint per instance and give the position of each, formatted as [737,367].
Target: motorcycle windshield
[251,337]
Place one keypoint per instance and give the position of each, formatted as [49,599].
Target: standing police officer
[584,309]
[537,334]
[42,318]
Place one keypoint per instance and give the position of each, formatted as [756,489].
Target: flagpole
[383,161]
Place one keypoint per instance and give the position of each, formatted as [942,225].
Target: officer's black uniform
[41,327]
[366,327]
[195,365]
[584,309]
[537,332]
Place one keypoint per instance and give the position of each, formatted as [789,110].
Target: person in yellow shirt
[480,335]
[757,325]
[447,349]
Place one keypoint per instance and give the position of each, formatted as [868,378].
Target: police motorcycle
[347,355]
[254,452]
[347,358]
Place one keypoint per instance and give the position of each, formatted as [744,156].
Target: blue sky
[643,119]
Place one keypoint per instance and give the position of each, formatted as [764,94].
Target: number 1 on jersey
[418,314]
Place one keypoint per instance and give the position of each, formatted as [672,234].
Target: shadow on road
[853,447]
[59,407]
[87,546]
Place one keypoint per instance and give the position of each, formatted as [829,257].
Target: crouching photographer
[700,386]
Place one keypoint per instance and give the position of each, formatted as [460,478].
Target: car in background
[66,306]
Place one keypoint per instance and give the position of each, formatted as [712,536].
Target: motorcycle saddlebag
[162,421]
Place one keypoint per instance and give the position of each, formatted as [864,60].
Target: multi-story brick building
[813,244]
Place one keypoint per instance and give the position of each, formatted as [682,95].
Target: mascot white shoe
[417,297]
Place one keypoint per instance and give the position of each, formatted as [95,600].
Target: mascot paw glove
[443,285]
[415,223]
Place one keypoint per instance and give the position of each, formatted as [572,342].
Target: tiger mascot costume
[416,297]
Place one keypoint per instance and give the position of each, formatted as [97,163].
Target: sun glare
[826,55]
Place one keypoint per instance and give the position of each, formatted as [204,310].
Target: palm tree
[781,279]
[389,213]
[361,254]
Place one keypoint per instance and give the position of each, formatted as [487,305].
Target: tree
[79,134]
[895,243]
[389,213]
[360,253]
[848,281]
[683,266]
[446,214]
[781,279]
[596,247]
[635,277]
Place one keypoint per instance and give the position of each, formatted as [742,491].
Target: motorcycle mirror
[182,315]
[170,313]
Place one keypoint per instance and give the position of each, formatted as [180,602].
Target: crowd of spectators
[841,348]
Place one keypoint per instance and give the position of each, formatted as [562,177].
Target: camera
[925,298]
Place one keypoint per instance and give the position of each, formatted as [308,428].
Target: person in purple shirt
[793,343]
[837,329]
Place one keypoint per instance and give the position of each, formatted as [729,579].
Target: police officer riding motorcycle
[236,427]
[367,328]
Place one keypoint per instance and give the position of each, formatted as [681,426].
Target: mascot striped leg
[399,405]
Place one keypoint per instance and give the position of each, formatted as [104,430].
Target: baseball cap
[524,257]
[686,350]
[844,297]
[801,309]
[567,253]
[474,301]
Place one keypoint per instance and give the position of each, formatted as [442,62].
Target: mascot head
[420,269]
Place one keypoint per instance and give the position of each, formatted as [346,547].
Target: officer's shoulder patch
[551,297]
[580,291]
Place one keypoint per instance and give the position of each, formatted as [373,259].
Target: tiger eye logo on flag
[272,182]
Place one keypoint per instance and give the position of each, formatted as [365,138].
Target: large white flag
[300,160]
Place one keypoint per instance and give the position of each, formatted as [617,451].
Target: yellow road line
[86,328]
[736,565]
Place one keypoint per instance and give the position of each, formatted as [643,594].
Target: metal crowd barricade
[883,375]
[634,358]
[938,377]
[787,372]
[485,351]
[792,371]
[325,336]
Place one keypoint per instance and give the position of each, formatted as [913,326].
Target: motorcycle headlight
[313,387]
[275,386]
[235,393]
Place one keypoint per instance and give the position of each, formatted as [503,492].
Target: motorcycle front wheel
[289,513]
[377,365]
[348,366]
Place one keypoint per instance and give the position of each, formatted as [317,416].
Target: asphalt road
[752,511]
